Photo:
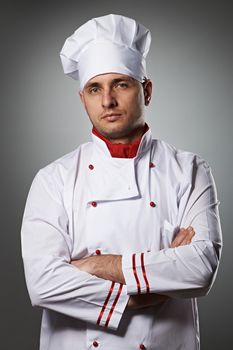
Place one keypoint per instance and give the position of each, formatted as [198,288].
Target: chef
[121,235]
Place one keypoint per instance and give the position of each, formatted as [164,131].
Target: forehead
[107,78]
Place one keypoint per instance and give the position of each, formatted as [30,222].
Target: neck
[135,135]
[121,149]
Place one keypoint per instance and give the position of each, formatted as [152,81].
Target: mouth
[111,117]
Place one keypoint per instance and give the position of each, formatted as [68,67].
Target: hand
[183,237]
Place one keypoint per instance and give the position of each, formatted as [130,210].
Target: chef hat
[107,44]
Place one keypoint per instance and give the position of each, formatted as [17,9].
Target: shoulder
[179,162]
[63,167]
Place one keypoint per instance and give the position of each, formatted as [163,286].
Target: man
[121,235]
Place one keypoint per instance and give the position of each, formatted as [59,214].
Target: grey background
[190,64]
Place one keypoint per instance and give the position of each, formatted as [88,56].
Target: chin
[114,133]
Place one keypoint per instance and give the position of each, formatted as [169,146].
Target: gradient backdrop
[190,63]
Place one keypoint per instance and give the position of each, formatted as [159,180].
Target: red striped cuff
[113,305]
[143,273]
[135,273]
[105,306]
[105,303]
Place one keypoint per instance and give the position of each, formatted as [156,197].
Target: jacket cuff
[134,271]
[113,307]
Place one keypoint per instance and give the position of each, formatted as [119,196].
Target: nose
[108,99]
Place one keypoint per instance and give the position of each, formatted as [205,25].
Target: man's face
[115,104]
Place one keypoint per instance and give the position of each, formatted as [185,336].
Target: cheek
[140,98]
[133,103]
[92,107]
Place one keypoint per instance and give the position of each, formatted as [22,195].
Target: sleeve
[52,282]
[186,271]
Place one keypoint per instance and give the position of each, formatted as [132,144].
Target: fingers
[189,236]
[183,237]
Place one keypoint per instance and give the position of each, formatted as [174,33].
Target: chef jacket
[87,203]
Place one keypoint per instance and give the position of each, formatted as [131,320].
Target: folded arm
[186,271]
[181,270]
[53,283]
[109,267]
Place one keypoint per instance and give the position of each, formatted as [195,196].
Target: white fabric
[111,43]
[60,224]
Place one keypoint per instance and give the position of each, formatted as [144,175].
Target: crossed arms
[109,267]
[79,288]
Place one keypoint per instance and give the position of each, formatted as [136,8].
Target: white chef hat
[107,44]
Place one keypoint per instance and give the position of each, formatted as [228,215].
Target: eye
[93,89]
[122,85]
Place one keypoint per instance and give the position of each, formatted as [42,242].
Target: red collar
[121,150]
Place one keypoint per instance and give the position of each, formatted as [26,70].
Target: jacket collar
[144,145]
[115,178]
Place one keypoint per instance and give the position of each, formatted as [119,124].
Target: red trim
[122,150]
[144,273]
[105,303]
[135,273]
[113,305]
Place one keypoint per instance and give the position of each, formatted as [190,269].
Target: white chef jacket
[88,203]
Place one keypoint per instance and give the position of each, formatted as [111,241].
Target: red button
[94,204]
[98,252]
[91,167]
[142,347]
[152,204]
[95,344]
[151,165]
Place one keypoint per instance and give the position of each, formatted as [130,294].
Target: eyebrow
[114,81]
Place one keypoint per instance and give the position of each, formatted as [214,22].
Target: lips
[112,117]
[111,114]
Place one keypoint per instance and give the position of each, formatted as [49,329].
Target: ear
[81,95]
[147,91]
